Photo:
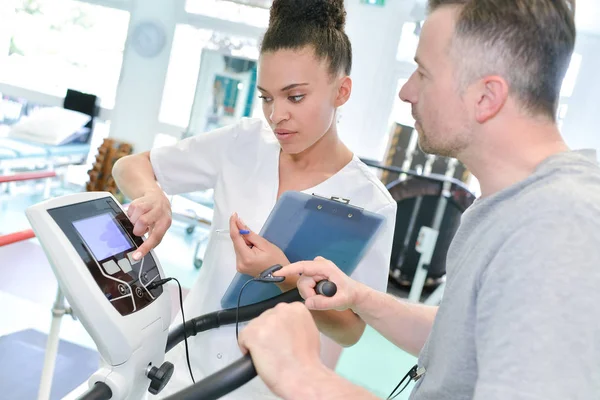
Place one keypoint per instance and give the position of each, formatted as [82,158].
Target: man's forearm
[345,327]
[405,324]
[323,384]
[134,175]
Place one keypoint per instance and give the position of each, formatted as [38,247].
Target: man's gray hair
[527,42]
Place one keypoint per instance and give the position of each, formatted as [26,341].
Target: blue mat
[22,355]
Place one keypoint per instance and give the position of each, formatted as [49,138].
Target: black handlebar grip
[326,288]
[242,371]
[100,391]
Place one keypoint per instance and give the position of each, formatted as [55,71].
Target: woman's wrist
[290,283]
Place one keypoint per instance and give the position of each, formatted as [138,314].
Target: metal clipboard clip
[341,200]
[355,211]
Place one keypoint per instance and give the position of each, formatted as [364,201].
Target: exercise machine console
[89,242]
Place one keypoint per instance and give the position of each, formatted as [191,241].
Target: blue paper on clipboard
[306,226]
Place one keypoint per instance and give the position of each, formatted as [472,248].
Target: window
[184,67]
[568,83]
[180,85]
[566,90]
[407,48]
[52,45]
[163,139]
[255,14]
[402,112]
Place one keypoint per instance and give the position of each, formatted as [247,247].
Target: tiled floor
[28,289]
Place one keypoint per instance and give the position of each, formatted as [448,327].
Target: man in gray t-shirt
[520,316]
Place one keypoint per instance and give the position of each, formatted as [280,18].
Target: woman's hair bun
[328,14]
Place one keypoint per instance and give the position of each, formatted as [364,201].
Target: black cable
[402,390]
[392,395]
[410,375]
[237,309]
[187,352]
[266,276]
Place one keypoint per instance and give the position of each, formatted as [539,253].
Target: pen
[242,231]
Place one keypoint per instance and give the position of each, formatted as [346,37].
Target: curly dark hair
[295,24]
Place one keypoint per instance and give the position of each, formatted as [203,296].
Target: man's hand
[379,310]
[150,214]
[349,292]
[285,347]
[253,253]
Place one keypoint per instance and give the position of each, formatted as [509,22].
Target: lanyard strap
[415,373]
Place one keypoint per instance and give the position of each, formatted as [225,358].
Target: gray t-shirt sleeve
[538,312]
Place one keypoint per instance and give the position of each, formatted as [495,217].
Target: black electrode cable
[161,282]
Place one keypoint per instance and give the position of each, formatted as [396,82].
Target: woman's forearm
[134,175]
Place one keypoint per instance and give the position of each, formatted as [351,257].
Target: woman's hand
[253,253]
[150,214]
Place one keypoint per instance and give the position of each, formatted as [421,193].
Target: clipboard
[305,226]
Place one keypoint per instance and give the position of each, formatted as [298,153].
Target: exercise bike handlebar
[227,317]
[236,374]
[241,371]
[100,391]
[220,383]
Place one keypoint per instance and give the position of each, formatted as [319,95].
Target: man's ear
[492,93]
[344,89]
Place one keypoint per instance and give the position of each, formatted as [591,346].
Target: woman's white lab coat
[241,163]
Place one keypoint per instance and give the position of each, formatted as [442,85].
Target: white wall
[142,80]
[375,34]
[581,127]
[364,121]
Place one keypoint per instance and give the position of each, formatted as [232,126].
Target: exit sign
[380,3]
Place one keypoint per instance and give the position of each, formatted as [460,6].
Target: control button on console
[131,260]
[125,266]
[139,292]
[111,267]
[122,289]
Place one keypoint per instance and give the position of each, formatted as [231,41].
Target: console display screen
[103,235]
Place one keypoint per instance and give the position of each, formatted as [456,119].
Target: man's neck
[512,154]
